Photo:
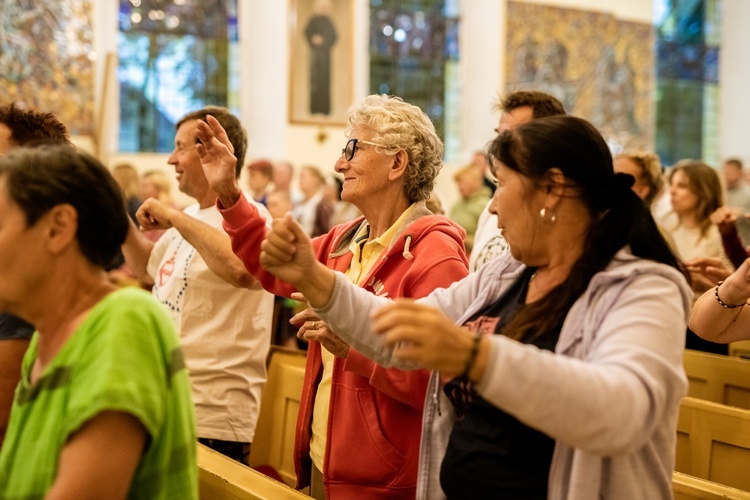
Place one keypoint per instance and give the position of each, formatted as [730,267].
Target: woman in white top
[695,191]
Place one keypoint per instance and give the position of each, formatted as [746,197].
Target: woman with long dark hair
[558,368]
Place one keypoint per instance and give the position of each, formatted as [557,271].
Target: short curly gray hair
[399,125]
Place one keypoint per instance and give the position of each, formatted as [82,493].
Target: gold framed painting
[321,60]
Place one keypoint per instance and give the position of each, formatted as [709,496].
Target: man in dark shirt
[20,127]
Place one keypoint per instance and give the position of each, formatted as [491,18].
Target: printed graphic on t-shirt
[495,247]
[166,270]
[484,324]
[172,275]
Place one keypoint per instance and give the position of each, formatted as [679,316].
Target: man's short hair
[541,103]
[29,127]
[265,167]
[231,124]
[735,162]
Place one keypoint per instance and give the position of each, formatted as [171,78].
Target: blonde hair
[316,173]
[469,172]
[651,172]
[161,181]
[127,178]
[399,125]
[705,183]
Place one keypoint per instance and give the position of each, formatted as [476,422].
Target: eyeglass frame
[354,142]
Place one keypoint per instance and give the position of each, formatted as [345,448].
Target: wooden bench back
[717,378]
[713,443]
[273,444]
[221,478]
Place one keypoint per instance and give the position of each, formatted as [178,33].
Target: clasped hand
[425,336]
[154,214]
[287,253]
[311,327]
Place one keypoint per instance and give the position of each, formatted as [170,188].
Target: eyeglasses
[351,147]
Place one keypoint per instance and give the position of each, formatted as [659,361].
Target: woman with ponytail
[558,368]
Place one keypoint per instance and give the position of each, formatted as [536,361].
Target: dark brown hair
[619,217]
[30,127]
[541,103]
[38,179]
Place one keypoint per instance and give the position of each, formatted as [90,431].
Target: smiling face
[187,165]
[684,199]
[366,175]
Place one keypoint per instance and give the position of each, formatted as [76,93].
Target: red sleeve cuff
[237,214]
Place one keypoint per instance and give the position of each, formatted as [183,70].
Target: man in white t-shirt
[516,109]
[223,315]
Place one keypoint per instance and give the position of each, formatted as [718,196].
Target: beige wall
[264,79]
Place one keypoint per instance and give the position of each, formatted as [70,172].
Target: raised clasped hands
[217,159]
[725,218]
[154,214]
[311,327]
[287,252]
[425,336]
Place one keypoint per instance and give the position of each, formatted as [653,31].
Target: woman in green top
[103,408]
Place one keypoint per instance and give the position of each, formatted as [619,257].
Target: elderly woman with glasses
[558,368]
[358,425]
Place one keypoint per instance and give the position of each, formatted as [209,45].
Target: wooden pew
[717,378]
[740,348]
[687,487]
[221,478]
[273,444]
[713,443]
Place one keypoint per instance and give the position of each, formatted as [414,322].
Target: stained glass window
[687,74]
[414,55]
[174,58]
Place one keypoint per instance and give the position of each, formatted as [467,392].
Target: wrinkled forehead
[187,133]
[515,117]
[360,132]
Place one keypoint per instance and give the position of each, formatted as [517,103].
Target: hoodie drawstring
[407,254]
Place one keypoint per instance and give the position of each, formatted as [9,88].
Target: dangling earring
[543,215]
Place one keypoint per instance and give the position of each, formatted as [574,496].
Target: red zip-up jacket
[375,414]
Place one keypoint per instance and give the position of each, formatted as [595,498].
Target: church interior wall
[264,74]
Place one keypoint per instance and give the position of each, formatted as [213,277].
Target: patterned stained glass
[174,58]
[46,59]
[413,54]
[687,79]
